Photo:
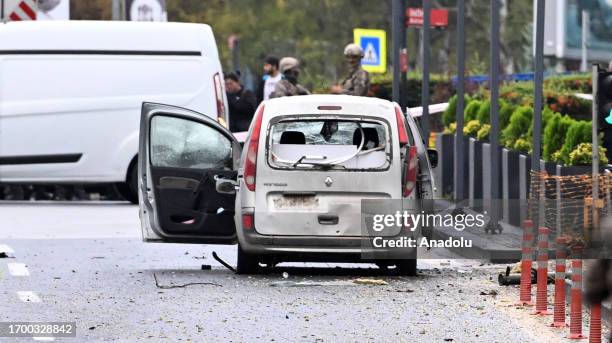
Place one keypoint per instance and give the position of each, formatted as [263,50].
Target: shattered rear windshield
[329,144]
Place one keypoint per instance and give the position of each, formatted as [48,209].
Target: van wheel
[247,263]
[129,190]
[406,267]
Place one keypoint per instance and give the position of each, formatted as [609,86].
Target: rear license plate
[296,202]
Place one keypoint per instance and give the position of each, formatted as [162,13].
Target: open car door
[182,154]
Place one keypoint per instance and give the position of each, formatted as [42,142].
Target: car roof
[107,36]
[309,104]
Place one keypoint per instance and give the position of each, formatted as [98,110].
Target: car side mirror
[226,186]
[433,157]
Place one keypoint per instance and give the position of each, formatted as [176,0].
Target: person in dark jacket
[241,103]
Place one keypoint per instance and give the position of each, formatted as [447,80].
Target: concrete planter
[511,187]
[475,173]
[548,167]
[444,172]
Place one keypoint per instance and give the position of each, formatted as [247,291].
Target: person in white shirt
[271,77]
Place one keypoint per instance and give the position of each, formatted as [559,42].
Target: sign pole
[539,78]
[396,8]
[425,83]
[459,141]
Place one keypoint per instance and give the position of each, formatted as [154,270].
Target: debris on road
[225,264]
[491,292]
[310,283]
[375,282]
[206,267]
[183,285]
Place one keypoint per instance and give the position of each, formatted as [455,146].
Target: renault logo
[328,181]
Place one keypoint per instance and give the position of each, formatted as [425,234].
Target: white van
[71,94]
[294,193]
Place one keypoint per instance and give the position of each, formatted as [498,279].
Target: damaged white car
[294,193]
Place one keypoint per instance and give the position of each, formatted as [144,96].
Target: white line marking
[18,269]
[28,297]
[47,339]
[6,249]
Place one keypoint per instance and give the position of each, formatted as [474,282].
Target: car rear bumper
[319,248]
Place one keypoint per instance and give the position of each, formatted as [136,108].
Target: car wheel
[247,263]
[129,190]
[406,267]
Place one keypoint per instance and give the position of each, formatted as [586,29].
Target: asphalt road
[86,263]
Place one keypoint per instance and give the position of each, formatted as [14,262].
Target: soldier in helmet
[289,86]
[357,81]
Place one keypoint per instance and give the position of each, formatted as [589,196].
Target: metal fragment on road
[310,283]
[18,269]
[28,297]
[375,282]
[6,251]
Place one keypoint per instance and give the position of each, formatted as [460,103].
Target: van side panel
[89,105]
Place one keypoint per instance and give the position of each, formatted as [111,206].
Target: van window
[181,143]
[329,144]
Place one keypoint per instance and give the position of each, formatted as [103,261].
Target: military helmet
[353,50]
[287,63]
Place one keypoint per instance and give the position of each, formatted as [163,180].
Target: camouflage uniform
[286,88]
[357,82]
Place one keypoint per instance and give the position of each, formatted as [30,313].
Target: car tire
[246,263]
[129,190]
[406,267]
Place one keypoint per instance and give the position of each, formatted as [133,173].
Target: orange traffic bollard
[526,264]
[559,311]
[595,325]
[576,294]
[542,290]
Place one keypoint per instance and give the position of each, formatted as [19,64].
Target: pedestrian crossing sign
[374,45]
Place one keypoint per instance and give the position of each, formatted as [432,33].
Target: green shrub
[449,114]
[547,114]
[471,110]
[578,132]
[450,129]
[554,135]
[505,111]
[518,127]
[483,132]
[522,145]
[483,111]
[583,155]
[556,157]
[471,128]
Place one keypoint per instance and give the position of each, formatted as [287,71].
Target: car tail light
[219,99]
[250,166]
[410,172]
[248,221]
[401,126]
